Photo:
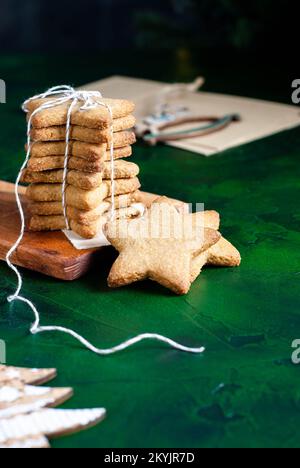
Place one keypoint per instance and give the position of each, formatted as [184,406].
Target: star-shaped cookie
[160,246]
[221,254]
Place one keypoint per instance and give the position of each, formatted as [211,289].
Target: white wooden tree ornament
[27,419]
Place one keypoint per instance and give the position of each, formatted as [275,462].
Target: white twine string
[89,99]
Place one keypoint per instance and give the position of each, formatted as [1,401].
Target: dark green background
[149,25]
[244,391]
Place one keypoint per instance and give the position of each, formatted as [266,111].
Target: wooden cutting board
[49,253]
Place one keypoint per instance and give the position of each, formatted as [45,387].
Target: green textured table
[244,391]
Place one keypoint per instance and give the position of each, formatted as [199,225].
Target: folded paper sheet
[259,119]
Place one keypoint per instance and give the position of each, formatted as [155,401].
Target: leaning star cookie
[150,249]
[222,254]
[93,118]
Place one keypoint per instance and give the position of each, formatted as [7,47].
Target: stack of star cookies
[89,178]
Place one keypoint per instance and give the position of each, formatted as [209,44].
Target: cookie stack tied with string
[78,170]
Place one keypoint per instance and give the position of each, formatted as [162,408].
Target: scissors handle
[214,124]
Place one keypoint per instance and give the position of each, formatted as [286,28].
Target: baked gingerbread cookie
[46,170]
[122,170]
[51,163]
[84,134]
[81,199]
[154,248]
[58,223]
[221,254]
[123,186]
[98,118]
[84,227]
[82,180]
[171,261]
[88,151]
[56,208]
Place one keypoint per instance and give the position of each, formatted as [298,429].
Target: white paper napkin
[84,244]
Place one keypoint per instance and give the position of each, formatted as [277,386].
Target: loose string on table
[90,100]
